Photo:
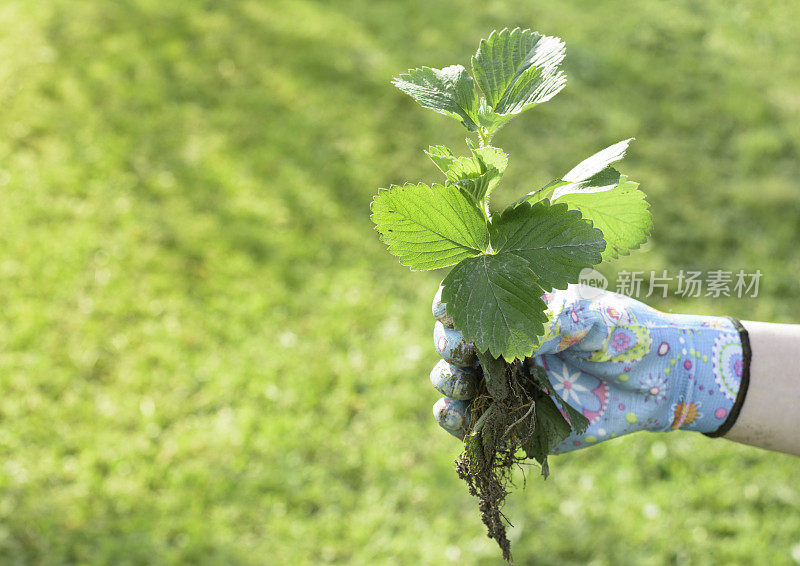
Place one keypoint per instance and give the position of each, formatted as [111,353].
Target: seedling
[504,262]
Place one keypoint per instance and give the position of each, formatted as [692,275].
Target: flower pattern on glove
[625,366]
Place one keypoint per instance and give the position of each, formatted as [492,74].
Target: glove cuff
[709,374]
[742,394]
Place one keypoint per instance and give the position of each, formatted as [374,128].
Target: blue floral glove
[625,366]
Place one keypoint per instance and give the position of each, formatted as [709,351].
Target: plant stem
[485,137]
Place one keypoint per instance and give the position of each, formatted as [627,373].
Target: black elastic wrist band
[737,405]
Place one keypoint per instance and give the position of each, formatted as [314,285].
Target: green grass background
[207,356]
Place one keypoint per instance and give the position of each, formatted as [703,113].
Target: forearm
[770,416]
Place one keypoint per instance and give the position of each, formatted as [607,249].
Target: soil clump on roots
[502,433]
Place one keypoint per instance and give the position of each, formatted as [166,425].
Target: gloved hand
[625,366]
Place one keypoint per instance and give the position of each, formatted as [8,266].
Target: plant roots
[498,430]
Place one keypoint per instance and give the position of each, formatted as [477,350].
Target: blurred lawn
[206,355]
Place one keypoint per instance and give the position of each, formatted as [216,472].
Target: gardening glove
[625,366]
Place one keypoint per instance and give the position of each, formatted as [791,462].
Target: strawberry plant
[503,262]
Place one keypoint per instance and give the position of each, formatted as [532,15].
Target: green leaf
[495,161]
[441,156]
[543,193]
[464,168]
[518,69]
[550,429]
[621,214]
[598,161]
[556,242]
[479,186]
[604,180]
[488,118]
[591,175]
[429,227]
[477,175]
[495,301]
[594,174]
[534,86]
[449,91]
[492,157]
[472,176]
